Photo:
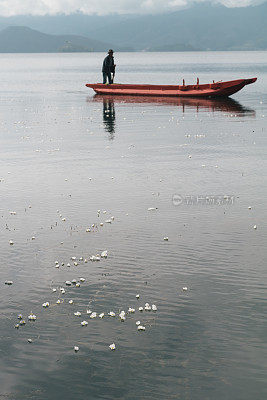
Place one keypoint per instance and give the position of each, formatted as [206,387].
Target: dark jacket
[108,64]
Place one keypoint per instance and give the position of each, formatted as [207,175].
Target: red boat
[215,89]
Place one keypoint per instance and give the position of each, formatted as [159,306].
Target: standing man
[108,67]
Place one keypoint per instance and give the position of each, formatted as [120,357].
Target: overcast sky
[101,7]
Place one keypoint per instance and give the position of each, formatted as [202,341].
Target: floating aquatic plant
[141,328]
[32,317]
[104,254]
[111,314]
[77,313]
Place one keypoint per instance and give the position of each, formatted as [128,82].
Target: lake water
[64,155]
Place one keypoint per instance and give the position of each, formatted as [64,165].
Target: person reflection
[109,116]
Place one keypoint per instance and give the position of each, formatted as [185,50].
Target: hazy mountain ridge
[20,39]
[201,27]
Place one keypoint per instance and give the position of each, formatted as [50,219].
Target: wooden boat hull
[217,89]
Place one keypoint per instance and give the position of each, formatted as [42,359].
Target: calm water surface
[65,154]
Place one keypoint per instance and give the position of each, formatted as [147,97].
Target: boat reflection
[227,105]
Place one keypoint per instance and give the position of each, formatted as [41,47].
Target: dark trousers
[107,75]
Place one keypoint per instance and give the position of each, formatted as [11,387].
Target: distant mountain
[202,26]
[61,24]
[172,47]
[20,39]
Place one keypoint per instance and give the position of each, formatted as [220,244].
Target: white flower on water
[104,254]
[75,263]
[78,284]
[137,296]
[147,307]
[62,290]
[9,283]
[58,301]
[131,310]
[93,315]
[166,238]
[154,307]
[32,317]
[94,258]
[112,346]
[11,242]
[185,289]
[255,226]
[101,315]
[122,316]
[70,301]
[68,265]
[138,323]
[74,281]
[88,311]
[46,304]
[152,209]
[84,323]
[82,279]
[111,314]
[68,283]
[76,348]
[141,328]
[108,221]
[141,309]
[73,258]
[54,290]
[77,313]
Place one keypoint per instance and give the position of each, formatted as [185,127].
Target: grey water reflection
[228,105]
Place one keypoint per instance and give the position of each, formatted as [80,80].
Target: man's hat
[110,51]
